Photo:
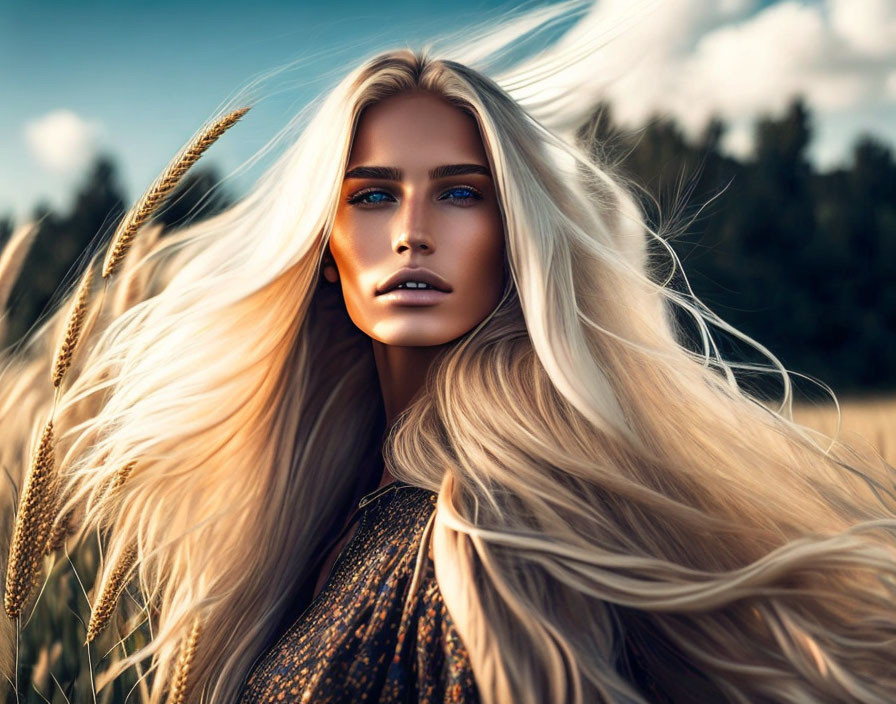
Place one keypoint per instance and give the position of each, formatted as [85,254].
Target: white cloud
[890,85]
[868,26]
[738,140]
[759,65]
[61,140]
[693,59]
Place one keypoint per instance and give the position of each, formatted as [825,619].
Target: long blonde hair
[608,499]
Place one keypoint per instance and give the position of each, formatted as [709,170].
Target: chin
[414,340]
[415,333]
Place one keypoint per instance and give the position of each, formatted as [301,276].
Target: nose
[412,231]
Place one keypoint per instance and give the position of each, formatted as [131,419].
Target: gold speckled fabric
[367,636]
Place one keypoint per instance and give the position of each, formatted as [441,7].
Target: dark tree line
[804,262]
[63,239]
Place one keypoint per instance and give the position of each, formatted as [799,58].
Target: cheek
[486,258]
[349,265]
[351,253]
[340,249]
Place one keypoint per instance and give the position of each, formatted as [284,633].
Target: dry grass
[53,664]
[54,638]
[13,257]
[37,530]
[133,284]
[864,422]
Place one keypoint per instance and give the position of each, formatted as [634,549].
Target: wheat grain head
[63,527]
[105,602]
[32,525]
[69,341]
[110,486]
[179,686]
[161,189]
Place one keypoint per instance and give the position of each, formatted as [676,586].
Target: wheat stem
[13,257]
[133,275]
[161,189]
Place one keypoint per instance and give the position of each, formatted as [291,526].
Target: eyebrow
[390,173]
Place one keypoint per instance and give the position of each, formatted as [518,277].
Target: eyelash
[357,198]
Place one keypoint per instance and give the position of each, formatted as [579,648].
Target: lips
[416,273]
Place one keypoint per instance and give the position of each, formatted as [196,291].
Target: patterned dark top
[366,637]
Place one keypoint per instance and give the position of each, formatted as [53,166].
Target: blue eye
[369,197]
[461,193]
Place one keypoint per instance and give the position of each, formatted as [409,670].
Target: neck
[402,374]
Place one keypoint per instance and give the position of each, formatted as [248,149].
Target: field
[53,660]
[863,422]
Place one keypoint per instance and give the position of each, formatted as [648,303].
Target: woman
[417,248]
[585,509]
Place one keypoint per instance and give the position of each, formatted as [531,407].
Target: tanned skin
[418,192]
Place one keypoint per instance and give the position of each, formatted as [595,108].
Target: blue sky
[136,79]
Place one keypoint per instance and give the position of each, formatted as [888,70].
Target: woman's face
[418,206]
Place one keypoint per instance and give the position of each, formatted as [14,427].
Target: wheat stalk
[120,477]
[32,525]
[73,328]
[161,189]
[11,261]
[133,276]
[13,258]
[181,675]
[105,602]
[62,528]
[64,524]
[111,484]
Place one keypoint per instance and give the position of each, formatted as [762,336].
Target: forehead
[416,129]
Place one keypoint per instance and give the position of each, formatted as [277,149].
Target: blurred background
[761,132]
[764,129]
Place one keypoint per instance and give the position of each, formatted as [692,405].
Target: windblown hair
[610,500]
